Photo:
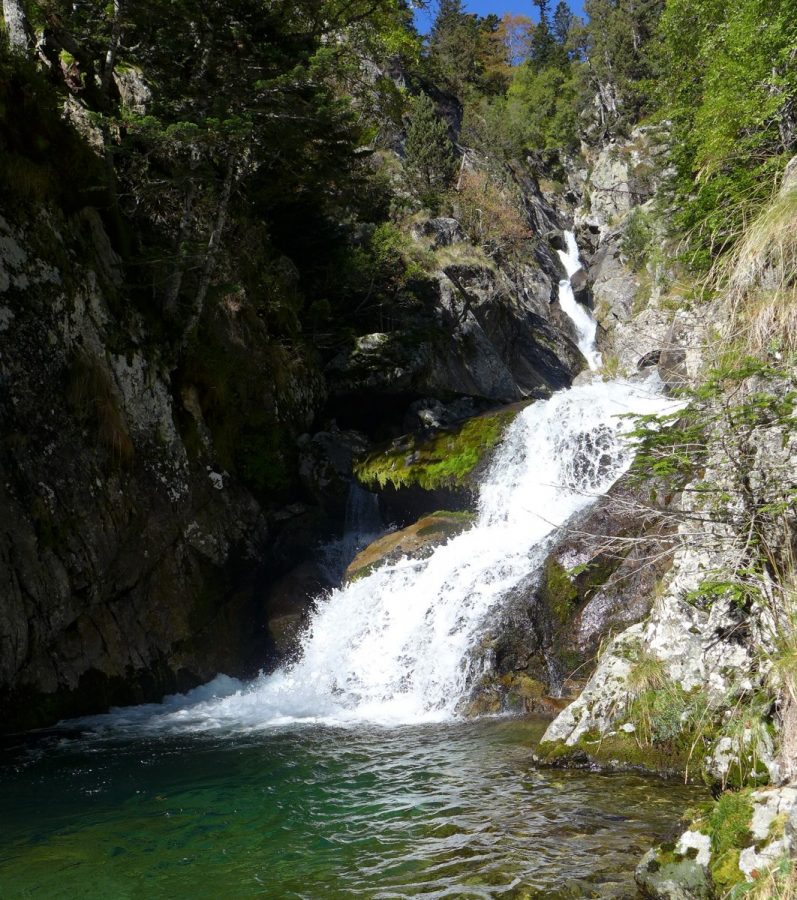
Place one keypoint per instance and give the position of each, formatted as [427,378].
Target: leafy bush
[490,215]
[637,237]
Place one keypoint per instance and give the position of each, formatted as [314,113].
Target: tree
[729,86]
[542,44]
[562,21]
[430,160]
[617,45]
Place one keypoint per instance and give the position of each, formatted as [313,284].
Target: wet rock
[288,605]
[326,461]
[431,414]
[674,876]
[416,541]
[557,240]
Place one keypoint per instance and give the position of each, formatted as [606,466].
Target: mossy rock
[615,752]
[443,460]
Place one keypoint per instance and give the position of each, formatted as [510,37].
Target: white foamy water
[393,647]
[580,316]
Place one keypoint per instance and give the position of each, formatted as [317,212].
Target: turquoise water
[455,810]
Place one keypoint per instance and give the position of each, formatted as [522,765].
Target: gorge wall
[153,491]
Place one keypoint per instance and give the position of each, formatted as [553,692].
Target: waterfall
[580,316]
[392,646]
[362,524]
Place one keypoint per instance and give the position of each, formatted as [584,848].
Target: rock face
[131,559]
[620,176]
[597,578]
[486,338]
[152,492]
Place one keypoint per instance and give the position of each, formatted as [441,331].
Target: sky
[424,18]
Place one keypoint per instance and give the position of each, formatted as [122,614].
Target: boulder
[288,605]
[415,541]
[439,232]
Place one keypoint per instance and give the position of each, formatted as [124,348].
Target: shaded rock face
[486,338]
[131,558]
[289,603]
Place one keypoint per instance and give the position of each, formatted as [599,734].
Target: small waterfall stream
[586,326]
[391,647]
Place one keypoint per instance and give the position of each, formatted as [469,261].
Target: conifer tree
[430,160]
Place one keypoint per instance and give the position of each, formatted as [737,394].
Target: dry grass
[779,883]
[761,279]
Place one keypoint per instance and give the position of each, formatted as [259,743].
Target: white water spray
[586,326]
[392,647]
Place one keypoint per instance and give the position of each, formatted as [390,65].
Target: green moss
[443,460]
[615,751]
[558,591]
[729,822]
[725,872]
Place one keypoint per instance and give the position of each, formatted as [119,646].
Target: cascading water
[586,326]
[390,647]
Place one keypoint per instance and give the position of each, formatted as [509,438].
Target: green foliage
[729,827]
[637,237]
[542,106]
[619,78]
[466,52]
[729,86]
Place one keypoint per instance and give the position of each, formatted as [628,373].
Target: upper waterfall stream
[393,646]
[586,326]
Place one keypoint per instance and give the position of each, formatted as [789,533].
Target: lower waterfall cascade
[392,647]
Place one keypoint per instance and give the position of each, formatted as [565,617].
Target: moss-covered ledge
[617,751]
[444,459]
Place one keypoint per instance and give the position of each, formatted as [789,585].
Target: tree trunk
[16,22]
[214,243]
[113,47]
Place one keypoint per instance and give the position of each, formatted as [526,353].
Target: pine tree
[562,21]
[430,161]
